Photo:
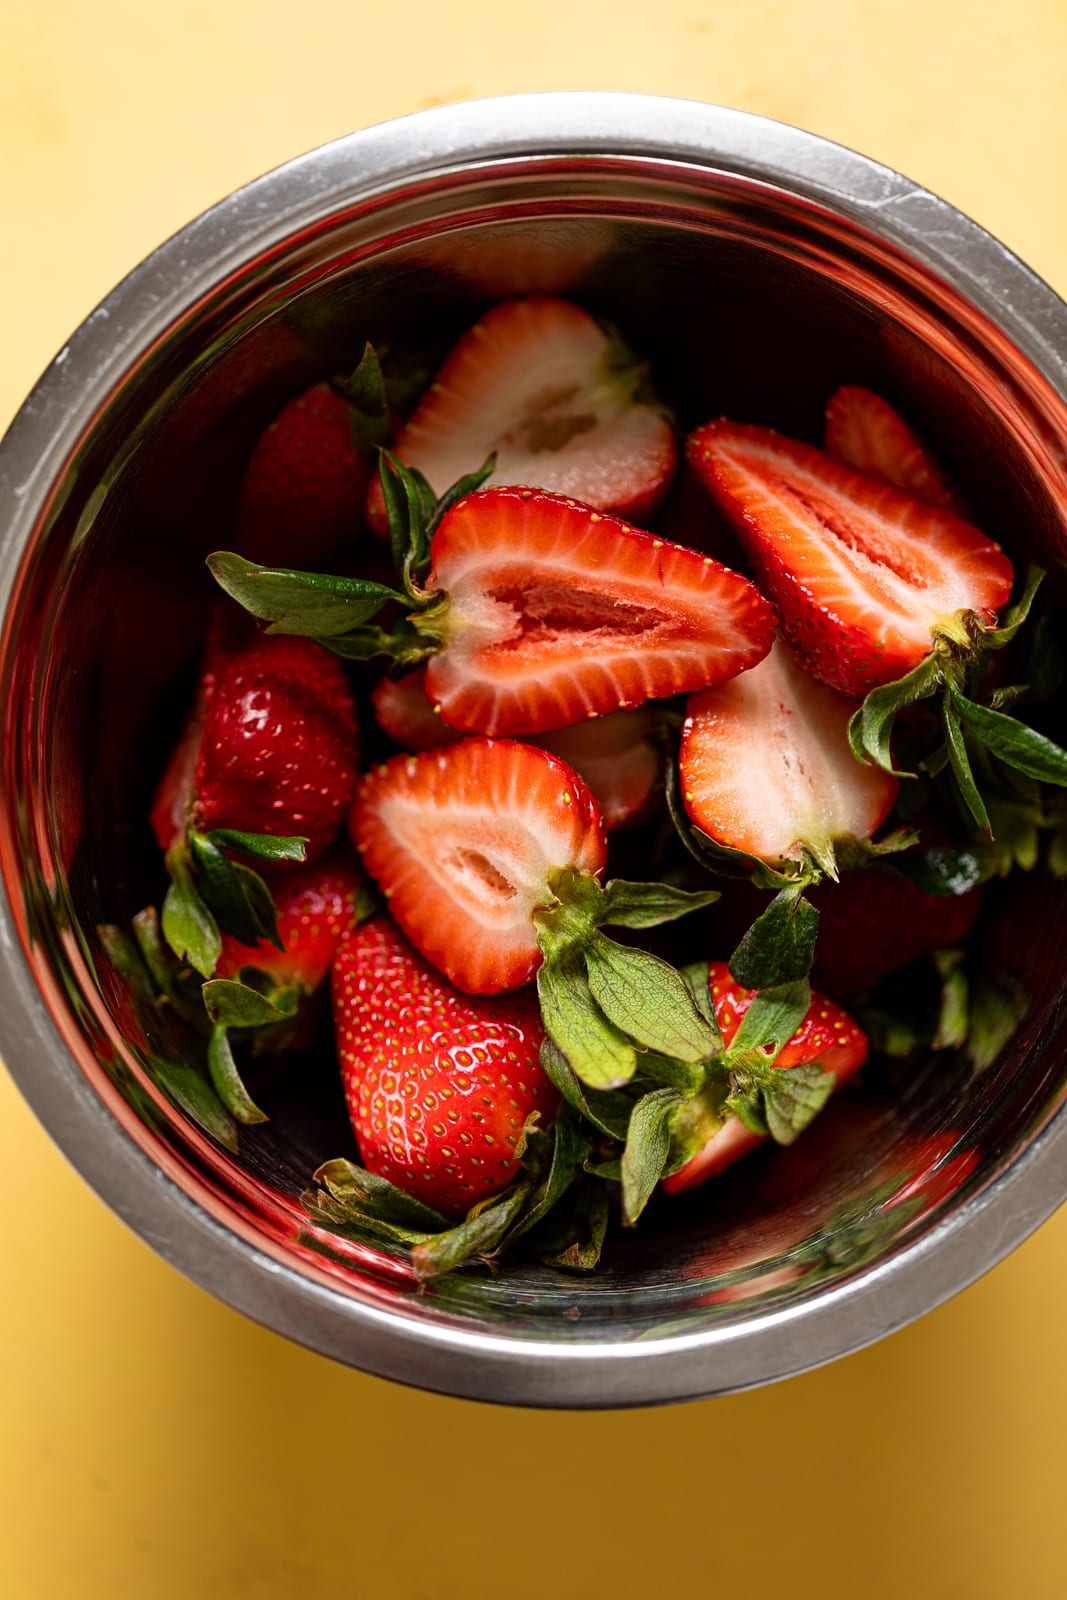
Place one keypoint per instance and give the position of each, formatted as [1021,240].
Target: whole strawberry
[316,906]
[303,489]
[439,1085]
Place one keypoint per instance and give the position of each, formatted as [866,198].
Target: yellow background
[154,1444]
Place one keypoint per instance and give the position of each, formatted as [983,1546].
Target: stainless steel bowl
[760,266]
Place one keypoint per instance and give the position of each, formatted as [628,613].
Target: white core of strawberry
[767,768]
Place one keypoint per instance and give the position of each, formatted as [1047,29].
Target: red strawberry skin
[558,613]
[438,1085]
[316,905]
[465,843]
[534,382]
[302,495]
[766,765]
[866,433]
[620,756]
[875,923]
[864,577]
[827,1036]
[279,748]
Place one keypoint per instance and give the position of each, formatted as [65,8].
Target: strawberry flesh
[827,1036]
[316,904]
[438,1085]
[619,756]
[534,382]
[766,765]
[558,613]
[865,578]
[466,842]
[279,747]
[864,432]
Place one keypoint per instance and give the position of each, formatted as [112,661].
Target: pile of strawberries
[557,678]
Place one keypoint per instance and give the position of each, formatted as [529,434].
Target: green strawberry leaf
[998,1006]
[372,1195]
[261,905]
[871,728]
[1009,740]
[768,1025]
[188,1090]
[365,391]
[959,761]
[943,869]
[572,1238]
[792,1097]
[466,485]
[697,980]
[688,1077]
[598,1052]
[222,890]
[479,1234]
[647,1000]
[188,925]
[236,1005]
[178,985]
[606,1109]
[264,846]
[647,905]
[648,1144]
[313,605]
[953,1023]
[227,1080]
[121,950]
[779,947]
[568,1146]
[1017,614]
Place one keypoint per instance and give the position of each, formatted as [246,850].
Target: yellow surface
[153,1443]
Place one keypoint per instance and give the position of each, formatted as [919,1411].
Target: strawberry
[868,581]
[864,432]
[557,613]
[439,1086]
[874,923]
[490,853]
[827,1037]
[534,612]
[316,905]
[279,745]
[305,484]
[540,383]
[619,756]
[466,843]
[766,766]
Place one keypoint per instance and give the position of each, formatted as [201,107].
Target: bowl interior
[749,302]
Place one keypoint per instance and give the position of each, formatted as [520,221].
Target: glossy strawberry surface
[439,1085]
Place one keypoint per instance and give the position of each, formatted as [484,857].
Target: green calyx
[953,673]
[210,894]
[604,1003]
[339,612]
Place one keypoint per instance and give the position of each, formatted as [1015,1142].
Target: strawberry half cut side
[490,854]
[766,768]
[868,581]
[558,613]
[864,432]
[822,1053]
[539,383]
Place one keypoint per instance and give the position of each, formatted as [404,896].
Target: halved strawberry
[489,854]
[766,766]
[439,1085]
[867,580]
[539,383]
[620,756]
[827,1037]
[866,433]
[467,842]
[557,613]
